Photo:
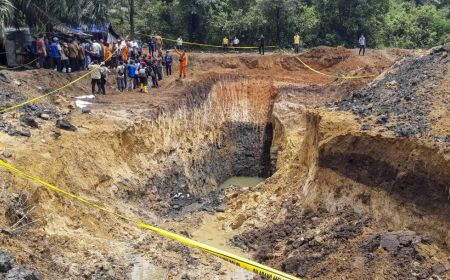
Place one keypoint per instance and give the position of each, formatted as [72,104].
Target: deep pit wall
[194,150]
[402,183]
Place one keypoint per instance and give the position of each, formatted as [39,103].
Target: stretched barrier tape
[259,269]
[17,67]
[333,76]
[49,93]
[213,46]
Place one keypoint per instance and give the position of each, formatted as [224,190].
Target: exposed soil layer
[160,158]
[404,99]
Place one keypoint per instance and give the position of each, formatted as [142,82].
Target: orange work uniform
[108,53]
[183,62]
[125,51]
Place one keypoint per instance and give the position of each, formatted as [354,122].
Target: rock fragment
[65,125]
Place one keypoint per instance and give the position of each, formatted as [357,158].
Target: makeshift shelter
[17,45]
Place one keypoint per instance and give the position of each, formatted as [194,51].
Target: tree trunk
[132,19]
[278,25]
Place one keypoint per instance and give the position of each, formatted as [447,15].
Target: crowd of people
[134,68]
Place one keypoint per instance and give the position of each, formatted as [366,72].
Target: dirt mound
[307,244]
[403,100]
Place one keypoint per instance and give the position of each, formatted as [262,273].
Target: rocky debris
[188,203]
[21,273]
[44,116]
[29,121]
[12,131]
[395,242]
[6,154]
[6,261]
[9,271]
[4,77]
[404,254]
[86,111]
[306,238]
[405,95]
[65,125]
[366,127]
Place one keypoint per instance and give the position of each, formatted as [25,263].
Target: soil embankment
[335,190]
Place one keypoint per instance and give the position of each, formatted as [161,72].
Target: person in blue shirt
[131,69]
[168,60]
[55,52]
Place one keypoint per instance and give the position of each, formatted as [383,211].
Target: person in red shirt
[41,50]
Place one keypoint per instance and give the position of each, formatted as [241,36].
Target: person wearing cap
[55,52]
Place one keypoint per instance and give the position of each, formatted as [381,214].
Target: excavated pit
[194,150]
[330,194]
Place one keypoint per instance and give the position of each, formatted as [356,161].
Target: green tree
[342,21]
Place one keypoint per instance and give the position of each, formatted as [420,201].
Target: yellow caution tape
[259,269]
[17,67]
[49,93]
[333,76]
[212,46]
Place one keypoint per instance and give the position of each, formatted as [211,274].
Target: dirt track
[342,202]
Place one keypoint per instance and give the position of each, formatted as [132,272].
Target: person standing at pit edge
[104,71]
[262,44]
[362,45]
[179,45]
[225,43]
[183,62]
[120,77]
[41,51]
[96,75]
[55,51]
[296,43]
[168,59]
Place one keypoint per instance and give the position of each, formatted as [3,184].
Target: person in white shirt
[179,43]
[235,42]
[96,50]
[95,75]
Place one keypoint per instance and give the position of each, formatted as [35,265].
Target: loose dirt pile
[160,157]
[404,99]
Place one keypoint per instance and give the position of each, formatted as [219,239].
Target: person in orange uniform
[107,52]
[125,52]
[183,62]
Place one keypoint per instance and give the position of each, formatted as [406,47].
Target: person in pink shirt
[41,50]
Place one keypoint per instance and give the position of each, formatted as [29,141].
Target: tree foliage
[396,23]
